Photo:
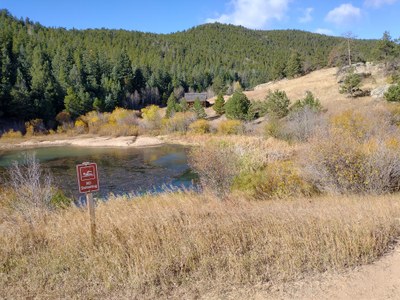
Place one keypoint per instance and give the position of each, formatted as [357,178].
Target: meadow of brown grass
[189,245]
[258,231]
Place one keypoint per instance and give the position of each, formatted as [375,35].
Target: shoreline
[85,141]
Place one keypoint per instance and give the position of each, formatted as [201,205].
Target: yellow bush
[122,116]
[151,113]
[200,126]
[11,134]
[351,123]
[279,179]
[80,126]
[151,118]
[230,127]
[94,120]
[80,123]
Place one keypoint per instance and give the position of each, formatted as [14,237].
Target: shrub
[309,102]
[63,117]
[11,134]
[122,116]
[179,122]
[200,126]
[151,117]
[59,199]
[35,127]
[353,124]
[273,127]
[217,166]
[31,186]
[94,120]
[351,84]
[230,127]
[302,124]
[257,109]
[393,93]
[278,103]
[353,158]
[279,179]
[237,106]
[80,126]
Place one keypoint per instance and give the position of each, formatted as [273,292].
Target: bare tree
[349,37]
[32,187]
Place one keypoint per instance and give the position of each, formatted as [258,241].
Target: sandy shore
[125,141]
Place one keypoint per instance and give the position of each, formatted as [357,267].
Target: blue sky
[364,18]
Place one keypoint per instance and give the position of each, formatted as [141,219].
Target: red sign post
[88,181]
[88,178]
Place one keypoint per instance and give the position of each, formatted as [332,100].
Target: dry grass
[186,245]
[322,83]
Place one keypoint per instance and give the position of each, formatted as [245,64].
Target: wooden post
[92,217]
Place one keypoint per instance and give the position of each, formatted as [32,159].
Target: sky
[363,18]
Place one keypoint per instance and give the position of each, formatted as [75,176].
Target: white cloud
[324,31]
[253,13]
[343,14]
[378,3]
[307,17]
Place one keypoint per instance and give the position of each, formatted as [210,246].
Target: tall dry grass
[187,245]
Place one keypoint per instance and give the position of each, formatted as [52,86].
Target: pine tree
[184,107]
[198,109]
[7,76]
[237,106]
[219,105]
[278,103]
[45,90]
[171,106]
[294,65]
[385,49]
[21,105]
[73,105]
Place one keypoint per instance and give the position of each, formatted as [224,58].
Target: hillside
[324,85]
[46,70]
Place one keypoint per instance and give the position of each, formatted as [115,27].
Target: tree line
[44,71]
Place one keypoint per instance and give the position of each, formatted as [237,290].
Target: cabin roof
[190,97]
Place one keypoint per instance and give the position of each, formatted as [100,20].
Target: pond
[121,170]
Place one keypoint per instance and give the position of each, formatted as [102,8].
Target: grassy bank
[186,245]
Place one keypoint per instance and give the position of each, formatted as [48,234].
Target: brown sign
[88,179]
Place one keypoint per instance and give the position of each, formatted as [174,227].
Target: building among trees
[191,97]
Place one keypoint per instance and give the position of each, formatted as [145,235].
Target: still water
[121,170]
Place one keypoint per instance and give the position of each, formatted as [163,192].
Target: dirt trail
[380,280]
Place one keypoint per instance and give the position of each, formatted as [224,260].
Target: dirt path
[380,280]
[377,281]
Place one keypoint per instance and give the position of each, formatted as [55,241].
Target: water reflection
[121,171]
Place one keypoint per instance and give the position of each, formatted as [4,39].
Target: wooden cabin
[191,97]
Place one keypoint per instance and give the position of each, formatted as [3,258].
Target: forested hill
[46,70]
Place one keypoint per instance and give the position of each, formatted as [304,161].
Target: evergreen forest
[44,71]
